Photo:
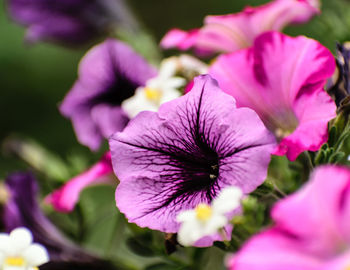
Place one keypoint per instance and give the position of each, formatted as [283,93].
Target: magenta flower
[65,198]
[282,79]
[108,74]
[228,33]
[184,154]
[69,22]
[311,230]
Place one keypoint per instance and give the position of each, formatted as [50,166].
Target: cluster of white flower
[17,251]
[165,86]
[207,220]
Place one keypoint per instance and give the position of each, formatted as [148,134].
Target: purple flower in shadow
[22,210]
[108,74]
[68,22]
[186,153]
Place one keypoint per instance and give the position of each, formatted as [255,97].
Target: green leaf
[336,157]
[139,247]
[163,266]
[332,138]
[320,157]
[220,245]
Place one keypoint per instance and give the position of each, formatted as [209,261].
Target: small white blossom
[191,65]
[165,86]
[17,251]
[158,90]
[206,220]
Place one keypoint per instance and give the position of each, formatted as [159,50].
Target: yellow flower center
[203,212]
[153,94]
[14,261]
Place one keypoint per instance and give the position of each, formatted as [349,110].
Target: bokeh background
[35,78]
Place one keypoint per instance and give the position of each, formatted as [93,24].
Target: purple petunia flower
[108,74]
[184,154]
[22,210]
[68,22]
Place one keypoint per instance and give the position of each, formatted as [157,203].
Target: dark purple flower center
[198,175]
[120,89]
[121,86]
[186,159]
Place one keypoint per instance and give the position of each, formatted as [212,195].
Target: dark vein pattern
[185,158]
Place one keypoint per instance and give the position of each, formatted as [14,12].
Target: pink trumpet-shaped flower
[311,230]
[65,198]
[228,33]
[282,79]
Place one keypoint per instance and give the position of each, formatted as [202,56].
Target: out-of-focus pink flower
[65,198]
[228,33]
[311,231]
[181,39]
[282,79]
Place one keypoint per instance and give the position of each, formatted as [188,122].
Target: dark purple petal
[108,74]
[22,210]
[68,22]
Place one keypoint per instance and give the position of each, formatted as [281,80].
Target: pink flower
[282,79]
[311,230]
[65,198]
[228,33]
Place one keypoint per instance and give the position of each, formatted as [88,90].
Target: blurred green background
[34,79]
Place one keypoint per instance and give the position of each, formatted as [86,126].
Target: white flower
[157,91]
[165,86]
[191,65]
[17,252]
[206,220]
